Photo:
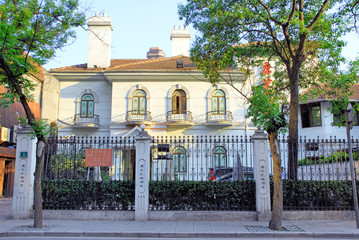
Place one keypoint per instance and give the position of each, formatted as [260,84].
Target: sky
[139,25]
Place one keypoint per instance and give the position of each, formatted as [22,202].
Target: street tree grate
[30,228]
[292,228]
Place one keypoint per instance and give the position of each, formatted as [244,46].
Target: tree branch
[316,18]
[15,84]
[269,13]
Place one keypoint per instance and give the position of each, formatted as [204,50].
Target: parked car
[226,174]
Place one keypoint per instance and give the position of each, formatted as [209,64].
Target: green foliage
[304,41]
[40,128]
[188,195]
[334,158]
[317,195]
[265,108]
[30,32]
[274,28]
[64,164]
[88,195]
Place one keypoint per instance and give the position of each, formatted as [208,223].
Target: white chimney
[99,51]
[181,40]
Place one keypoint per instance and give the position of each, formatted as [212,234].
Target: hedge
[195,196]
[88,195]
[189,195]
[316,195]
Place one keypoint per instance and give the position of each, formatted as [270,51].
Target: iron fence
[201,158]
[65,158]
[320,159]
[194,173]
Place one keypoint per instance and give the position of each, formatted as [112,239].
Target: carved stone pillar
[23,197]
[142,175]
[261,174]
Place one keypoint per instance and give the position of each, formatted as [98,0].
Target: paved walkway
[174,229]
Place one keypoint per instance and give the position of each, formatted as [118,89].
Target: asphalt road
[105,238]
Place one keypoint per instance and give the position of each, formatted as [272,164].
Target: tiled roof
[164,64]
[311,98]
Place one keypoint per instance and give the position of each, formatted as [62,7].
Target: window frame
[179,101]
[219,99]
[177,162]
[87,106]
[219,154]
[139,98]
[307,116]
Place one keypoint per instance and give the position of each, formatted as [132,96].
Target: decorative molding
[178,87]
[130,96]
[87,91]
[209,96]
[216,87]
[137,87]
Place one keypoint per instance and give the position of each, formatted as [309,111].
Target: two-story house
[110,97]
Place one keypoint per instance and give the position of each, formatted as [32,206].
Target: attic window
[180,64]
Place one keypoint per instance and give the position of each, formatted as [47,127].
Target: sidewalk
[179,229]
[173,229]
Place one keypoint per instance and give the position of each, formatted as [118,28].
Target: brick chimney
[99,51]
[181,39]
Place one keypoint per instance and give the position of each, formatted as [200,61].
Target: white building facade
[167,94]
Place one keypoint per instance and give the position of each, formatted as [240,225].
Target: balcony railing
[179,116]
[86,122]
[136,116]
[219,117]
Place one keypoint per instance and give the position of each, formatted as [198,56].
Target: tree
[30,32]
[302,37]
[266,109]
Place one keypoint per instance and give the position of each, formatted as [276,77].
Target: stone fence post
[261,175]
[23,196]
[142,175]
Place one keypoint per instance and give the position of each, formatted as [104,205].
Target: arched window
[179,104]
[139,102]
[87,106]
[219,157]
[179,159]
[218,102]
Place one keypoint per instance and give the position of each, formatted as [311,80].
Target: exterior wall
[115,100]
[159,104]
[70,98]
[50,97]
[326,130]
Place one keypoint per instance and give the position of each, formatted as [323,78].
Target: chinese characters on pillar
[142,176]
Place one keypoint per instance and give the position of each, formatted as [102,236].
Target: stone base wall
[194,215]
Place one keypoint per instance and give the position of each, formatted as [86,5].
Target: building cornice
[114,76]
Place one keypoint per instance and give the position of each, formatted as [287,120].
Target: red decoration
[98,157]
[267,71]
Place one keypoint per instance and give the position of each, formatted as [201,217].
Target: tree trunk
[277,210]
[37,183]
[293,123]
[40,141]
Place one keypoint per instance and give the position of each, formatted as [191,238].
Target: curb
[319,235]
